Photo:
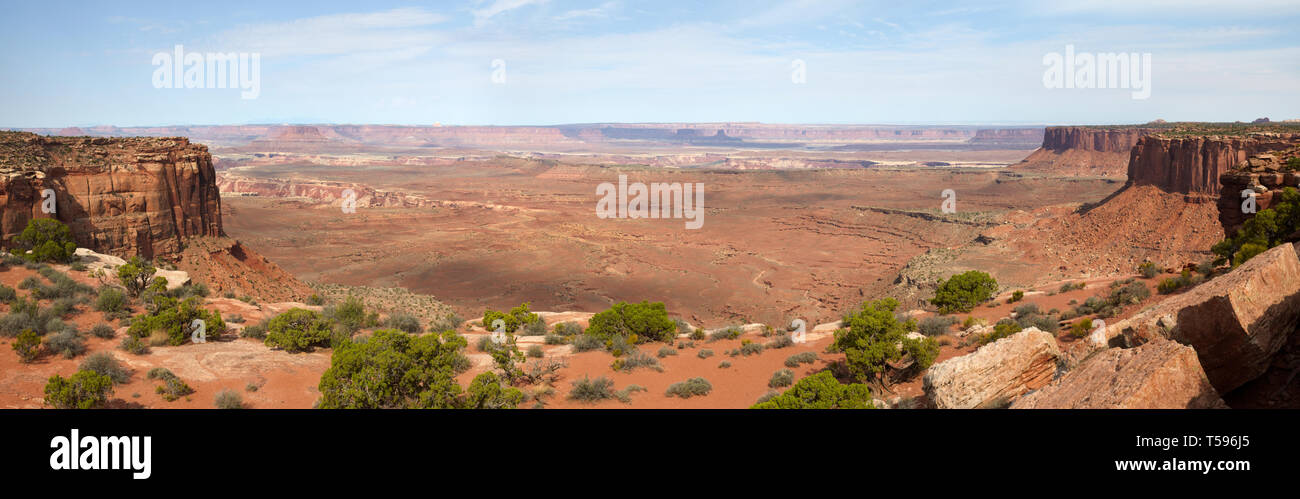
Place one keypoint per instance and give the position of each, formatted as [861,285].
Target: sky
[542,62]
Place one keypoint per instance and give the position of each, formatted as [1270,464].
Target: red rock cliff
[124,196]
[1192,165]
[1085,151]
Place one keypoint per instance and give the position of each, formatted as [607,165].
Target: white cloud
[397,30]
[500,6]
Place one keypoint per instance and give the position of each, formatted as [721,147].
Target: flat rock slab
[996,374]
[1162,374]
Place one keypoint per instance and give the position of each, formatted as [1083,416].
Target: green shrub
[782,340]
[646,321]
[748,349]
[134,345]
[173,388]
[351,315]
[175,318]
[1185,279]
[782,378]
[228,399]
[135,275]
[535,351]
[1081,328]
[694,387]
[666,351]
[1148,270]
[48,239]
[535,328]
[83,390]
[625,395]
[873,337]
[314,299]
[636,360]
[725,364]
[1016,296]
[705,353]
[392,369]
[104,363]
[1002,329]
[592,390]
[298,330]
[553,339]
[1071,286]
[564,329]
[448,322]
[255,331]
[7,294]
[486,392]
[514,319]
[28,346]
[820,391]
[963,292]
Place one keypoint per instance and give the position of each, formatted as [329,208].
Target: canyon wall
[1085,151]
[1192,165]
[318,191]
[122,196]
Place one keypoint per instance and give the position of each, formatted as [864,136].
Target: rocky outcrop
[994,375]
[1261,175]
[1159,375]
[1236,321]
[1085,151]
[121,196]
[1193,164]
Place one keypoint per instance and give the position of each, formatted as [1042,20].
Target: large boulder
[1159,375]
[1236,322]
[995,374]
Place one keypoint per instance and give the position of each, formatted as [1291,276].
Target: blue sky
[654,61]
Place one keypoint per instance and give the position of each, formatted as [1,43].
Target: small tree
[486,392]
[298,330]
[393,369]
[964,291]
[83,390]
[135,275]
[644,321]
[514,319]
[873,338]
[48,239]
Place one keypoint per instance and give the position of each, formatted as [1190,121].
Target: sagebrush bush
[666,351]
[103,331]
[27,345]
[104,363]
[637,360]
[228,399]
[7,294]
[694,387]
[592,390]
[404,322]
[67,343]
[727,333]
[134,345]
[781,340]
[110,299]
[705,353]
[936,325]
[800,358]
[780,379]
[535,351]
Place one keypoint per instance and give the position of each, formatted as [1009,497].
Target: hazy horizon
[548,62]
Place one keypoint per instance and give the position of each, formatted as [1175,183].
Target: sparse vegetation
[780,379]
[1081,328]
[298,330]
[28,346]
[694,387]
[800,358]
[636,360]
[1148,270]
[67,343]
[1184,280]
[704,353]
[102,331]
[727,333]
[49,240]
[403,322]
[514,319]
[936,325]
[135,275]
[592,390]
[1016,296]
[1003,329]
[228,399]
[486,392]
[173,319]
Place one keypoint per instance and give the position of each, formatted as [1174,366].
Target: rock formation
[1159,375]
[1236,321]
[1085,151]
[318,191]
[994,375]
[125,196]
[1264,175]
[1192,164]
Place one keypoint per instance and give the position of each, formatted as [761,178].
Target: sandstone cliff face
[319,191]
[1085,151]
[1192,165]
[122,196]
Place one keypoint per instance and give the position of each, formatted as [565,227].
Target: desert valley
[1109,287]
